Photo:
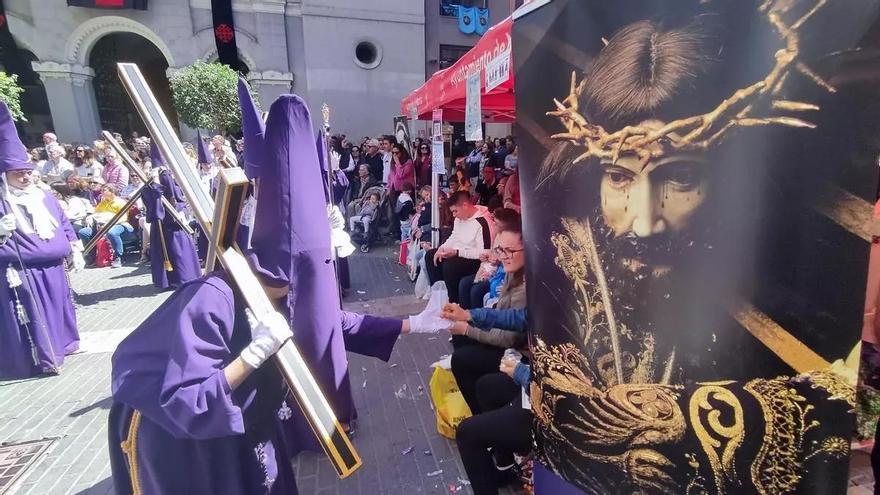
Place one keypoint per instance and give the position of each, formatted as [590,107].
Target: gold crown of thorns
[751,106]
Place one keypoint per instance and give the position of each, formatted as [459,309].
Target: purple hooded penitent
[253,129]
[44,295]
[13,155]
[167,237]
[156,159]
[291,236]
[205,156]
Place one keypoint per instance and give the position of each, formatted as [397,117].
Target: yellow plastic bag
[448,402]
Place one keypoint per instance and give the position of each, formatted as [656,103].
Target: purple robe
[45,295]
[196,436]
[366,335]
[179,245]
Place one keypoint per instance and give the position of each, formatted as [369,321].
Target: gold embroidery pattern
[129,448]
[777,465]
[562,368]
[707,405]
[838,387]
[835,447]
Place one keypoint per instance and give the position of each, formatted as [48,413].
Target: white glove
[428,322]
[334,161]
[79,263]
[339,238]
[7,224]
[268,335]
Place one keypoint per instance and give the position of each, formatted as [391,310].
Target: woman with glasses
[479,352]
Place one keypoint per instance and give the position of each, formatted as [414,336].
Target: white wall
[363,101]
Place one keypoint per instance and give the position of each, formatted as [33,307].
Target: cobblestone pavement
[392,398]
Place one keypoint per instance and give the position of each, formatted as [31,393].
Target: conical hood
[291,216]
[253,128]
[205,155]
[13,155]
[156,159]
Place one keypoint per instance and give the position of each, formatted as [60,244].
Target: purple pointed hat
[156,159]
[13,155]
[290,223]
[205,156]
[253,128]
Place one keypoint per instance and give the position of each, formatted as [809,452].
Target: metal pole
[435,209]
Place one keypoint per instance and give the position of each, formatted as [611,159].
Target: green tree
[206,97]
[10,93]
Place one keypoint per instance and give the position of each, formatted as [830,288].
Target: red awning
[446,89]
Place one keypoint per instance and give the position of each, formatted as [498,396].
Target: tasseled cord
[14,282]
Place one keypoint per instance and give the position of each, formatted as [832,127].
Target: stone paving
[394,408]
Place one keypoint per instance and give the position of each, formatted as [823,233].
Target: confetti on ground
[428,452]
[407,450]
[364,369]
[432,338]
[453,489]
[362,292]
[435,473]
[401,393]
[365,384]
[464,482]
[393,365]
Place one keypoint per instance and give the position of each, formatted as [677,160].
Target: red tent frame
[447,88]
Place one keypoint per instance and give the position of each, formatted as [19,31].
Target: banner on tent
[498,71]
[701,270]
[473,114]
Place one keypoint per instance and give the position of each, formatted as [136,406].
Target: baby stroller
[367,239]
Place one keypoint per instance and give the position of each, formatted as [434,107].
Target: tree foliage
[206,97]
[10,93]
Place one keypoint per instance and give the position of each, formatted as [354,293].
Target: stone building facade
[359,56]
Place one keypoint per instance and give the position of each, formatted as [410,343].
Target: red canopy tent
[446,89]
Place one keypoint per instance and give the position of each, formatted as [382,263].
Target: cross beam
[113,221]
[219,224]
[135,170]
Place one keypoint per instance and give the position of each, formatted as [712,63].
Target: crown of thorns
[759,104]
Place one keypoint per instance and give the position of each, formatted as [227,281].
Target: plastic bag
[437,298]
[449,405]
[403,254]
[423,285]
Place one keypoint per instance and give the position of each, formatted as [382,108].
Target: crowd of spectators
[93,184]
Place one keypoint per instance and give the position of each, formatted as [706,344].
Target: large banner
[696,176]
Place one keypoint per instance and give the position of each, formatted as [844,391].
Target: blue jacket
[506,319]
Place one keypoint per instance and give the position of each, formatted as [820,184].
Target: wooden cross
[219,220]
[135,170]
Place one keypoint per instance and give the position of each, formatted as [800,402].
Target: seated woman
[473,288]
[477,352]
[75,207]
[109,205]
[488,440]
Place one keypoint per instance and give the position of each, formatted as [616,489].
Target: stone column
[71,100]
[270,85]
